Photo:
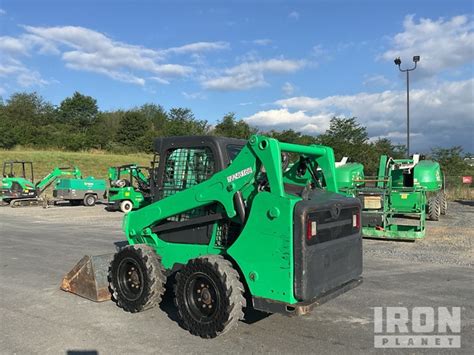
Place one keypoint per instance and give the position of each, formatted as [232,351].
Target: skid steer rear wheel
[136,278]
[434,209]
[209,296]
[126,206]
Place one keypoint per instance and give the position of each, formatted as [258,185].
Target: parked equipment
[86,191]
[129,187]
[395,202]
[349,177]
[237,229]
[18,187]
[426,174]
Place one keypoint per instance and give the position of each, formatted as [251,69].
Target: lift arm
[54,174]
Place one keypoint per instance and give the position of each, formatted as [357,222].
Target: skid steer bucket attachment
[88,278]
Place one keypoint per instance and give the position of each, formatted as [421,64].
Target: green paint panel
[348,175]
[118,194]
[427,174]
[81,184]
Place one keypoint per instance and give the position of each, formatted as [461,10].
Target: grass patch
[91,163]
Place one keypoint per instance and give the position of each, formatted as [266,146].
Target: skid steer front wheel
[136,278]
[209,296]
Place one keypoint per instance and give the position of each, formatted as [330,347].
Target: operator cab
[18,168]
[131,175]
[182,162]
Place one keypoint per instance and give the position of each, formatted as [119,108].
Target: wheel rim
[130,279]
[90,200]
[202,298]
[127,206]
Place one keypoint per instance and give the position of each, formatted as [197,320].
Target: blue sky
[275,64]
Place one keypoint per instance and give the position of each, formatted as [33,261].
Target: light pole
[398,62]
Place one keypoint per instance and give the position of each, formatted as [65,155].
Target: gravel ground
[447,241]
[39,246]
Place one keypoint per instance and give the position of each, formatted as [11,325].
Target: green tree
[79,111]
[451,160]
[8,136]
[382,146]
[181,122]
[291,136]
[348,139]
[26,118]
[157,116]
[132,128]
[229,126]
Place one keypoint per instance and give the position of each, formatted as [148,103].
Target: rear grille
[330,227]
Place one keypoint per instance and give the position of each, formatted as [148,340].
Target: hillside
[91,164]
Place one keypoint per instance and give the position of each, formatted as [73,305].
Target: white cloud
[93,51]
[197,47]
[376,80]
[159,80]
[288,89]
[88,50]
[262,42]
[442,44]
[12,46]
[440,116]
[84,49]
[23,76]
[249,75]
[283,119]
[295,15]
[194,95]
[31,78]
[2,12]
[11,67]
[239,81]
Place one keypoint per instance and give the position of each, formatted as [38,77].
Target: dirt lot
[38,246]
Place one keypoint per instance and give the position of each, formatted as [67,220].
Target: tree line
[77,124]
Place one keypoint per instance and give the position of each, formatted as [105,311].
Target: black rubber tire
[150,277]
[215,276]
[90,200]
[443,203]
[434,209]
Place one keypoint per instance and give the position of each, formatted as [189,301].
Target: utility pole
[398,62]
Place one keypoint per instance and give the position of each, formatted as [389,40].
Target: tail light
[311,229]
[356,220]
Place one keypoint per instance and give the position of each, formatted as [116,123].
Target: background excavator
[18,186]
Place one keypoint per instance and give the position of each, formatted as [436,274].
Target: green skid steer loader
[237,229]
